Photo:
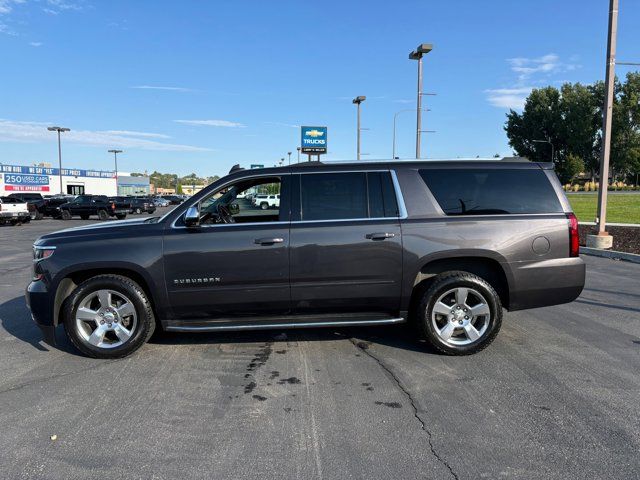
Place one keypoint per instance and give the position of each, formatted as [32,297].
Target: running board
[271,326]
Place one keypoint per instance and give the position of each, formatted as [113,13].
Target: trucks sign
[26,182]
[314,140]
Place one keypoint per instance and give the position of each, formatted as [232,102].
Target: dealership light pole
[115,159]
[357,101]
[59,130]
[298,149]
[289,153]
[417,54]
[603,239]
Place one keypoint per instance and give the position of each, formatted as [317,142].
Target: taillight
[574,236]
[113,206]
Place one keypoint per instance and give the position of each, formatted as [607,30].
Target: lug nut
[466,317]
[101,322]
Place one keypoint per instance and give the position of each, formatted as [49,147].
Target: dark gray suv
[446,245]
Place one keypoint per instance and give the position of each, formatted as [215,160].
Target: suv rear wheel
[460,313]
[65,215]
[103,215]
[108,316]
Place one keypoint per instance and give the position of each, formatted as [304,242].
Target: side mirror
[234,209]
[192,217]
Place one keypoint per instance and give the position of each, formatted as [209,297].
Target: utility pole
[115,160]
[357,101]
[417,54]
[603,239]
[59,130]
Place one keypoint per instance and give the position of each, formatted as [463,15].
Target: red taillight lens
[574,237]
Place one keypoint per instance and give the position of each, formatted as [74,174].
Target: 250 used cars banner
[26,183]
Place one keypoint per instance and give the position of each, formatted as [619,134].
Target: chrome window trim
[402,210]
[224,185]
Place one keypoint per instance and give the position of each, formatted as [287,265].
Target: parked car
[160,202]
[85,206]
[35,203]
[445,245]
[141,205]
[173,199]
[13,211]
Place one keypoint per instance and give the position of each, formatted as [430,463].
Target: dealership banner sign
[26,182]
[66,172]
[314,140]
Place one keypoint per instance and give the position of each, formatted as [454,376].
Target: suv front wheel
[108,316]
[460,313]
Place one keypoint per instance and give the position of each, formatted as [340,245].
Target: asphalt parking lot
[557,395]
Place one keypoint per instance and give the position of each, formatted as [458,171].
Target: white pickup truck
[13,211]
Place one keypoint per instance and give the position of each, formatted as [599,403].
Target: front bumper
[39,302]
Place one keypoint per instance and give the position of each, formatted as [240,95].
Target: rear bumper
[14,215]
[545,283]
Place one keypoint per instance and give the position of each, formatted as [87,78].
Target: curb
[628,257]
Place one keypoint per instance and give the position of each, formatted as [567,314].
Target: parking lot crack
[364,347]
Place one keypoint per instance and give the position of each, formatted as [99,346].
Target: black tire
[39,215]
[445,282]
[103,215]
[65,215]
[146,320]
[84,217]
[138,211]
[121,216]
[264,205]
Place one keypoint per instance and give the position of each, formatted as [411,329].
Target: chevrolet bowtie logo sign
[314,140]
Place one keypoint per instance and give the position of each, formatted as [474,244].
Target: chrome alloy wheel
[106,319]
[461,316]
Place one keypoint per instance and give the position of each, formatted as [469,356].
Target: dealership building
[47,181]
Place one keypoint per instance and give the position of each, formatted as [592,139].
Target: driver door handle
[379,235]
[268,241]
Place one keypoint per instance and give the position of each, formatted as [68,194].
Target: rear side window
[382,196]
[491,191]
[333,196]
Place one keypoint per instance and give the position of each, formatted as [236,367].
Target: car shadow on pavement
[16,320]
[397,336]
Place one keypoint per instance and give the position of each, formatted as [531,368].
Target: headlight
[40,253]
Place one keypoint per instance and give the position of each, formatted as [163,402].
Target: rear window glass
[491,191]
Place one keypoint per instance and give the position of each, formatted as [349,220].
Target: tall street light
[298,149]
[115,160]
[603,239]
[289,153]
[549,142]
[59,130]
[357,101]
[417,54]
[395,117]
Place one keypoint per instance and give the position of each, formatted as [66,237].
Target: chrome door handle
[268,241]
[379,235]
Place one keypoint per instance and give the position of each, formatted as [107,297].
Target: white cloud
[130,133]
[35,44]
[7,5]
[530,71]
[211,123]
[36,132]
[508,97]
[154,87]
[404,101]
[280,124]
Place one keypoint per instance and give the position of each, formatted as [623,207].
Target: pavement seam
[411,402]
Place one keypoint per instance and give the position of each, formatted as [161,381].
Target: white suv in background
[266,201]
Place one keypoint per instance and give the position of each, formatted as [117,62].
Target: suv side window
[491,191]
[245,201]
[382,196]
[333,196]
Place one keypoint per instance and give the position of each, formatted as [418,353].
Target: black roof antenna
[235,168]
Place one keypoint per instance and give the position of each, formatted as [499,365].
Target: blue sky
[199,86]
